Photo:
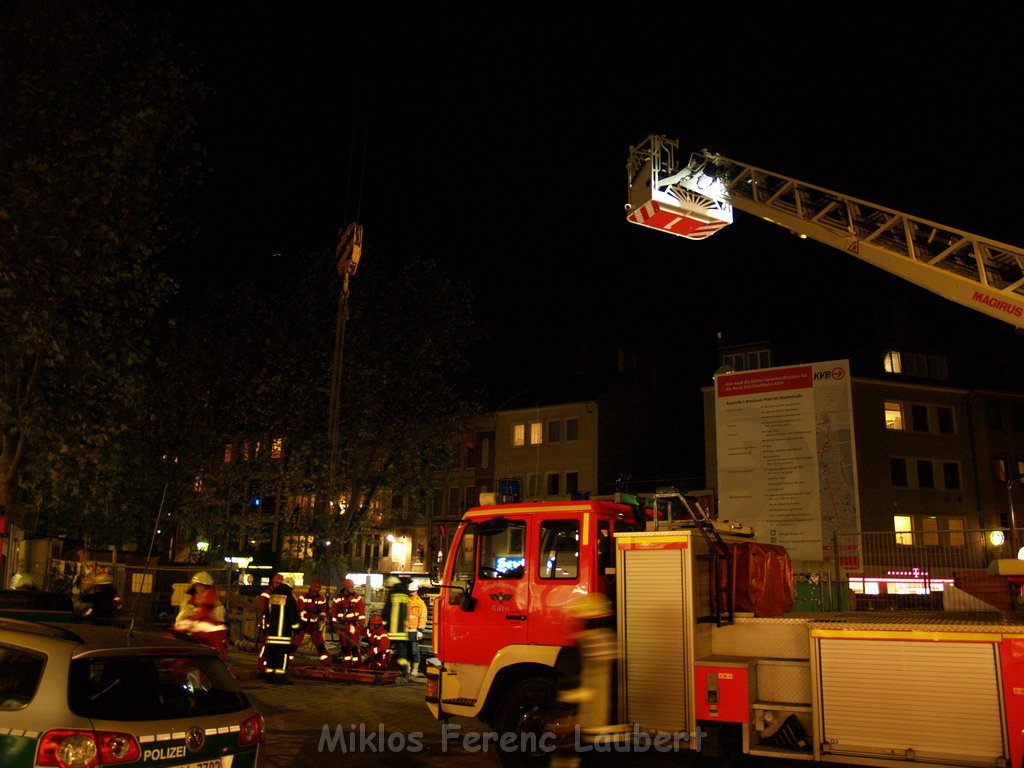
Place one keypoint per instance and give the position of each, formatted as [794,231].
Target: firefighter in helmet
[202,614]
[100,600]
[312,605]
[348,611]
[281,620]
[261,662]
[378,655]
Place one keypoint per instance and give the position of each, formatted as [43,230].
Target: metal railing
[925,570]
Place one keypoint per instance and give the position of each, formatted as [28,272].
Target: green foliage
[255,366]
[95,142]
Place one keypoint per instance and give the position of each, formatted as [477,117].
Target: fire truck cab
[501,622]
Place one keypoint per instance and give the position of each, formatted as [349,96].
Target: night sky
[495,142]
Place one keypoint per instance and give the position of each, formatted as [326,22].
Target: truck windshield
[488,551]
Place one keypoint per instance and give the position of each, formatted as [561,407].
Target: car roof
[90,639]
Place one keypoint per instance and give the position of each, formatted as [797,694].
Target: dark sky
[494,138]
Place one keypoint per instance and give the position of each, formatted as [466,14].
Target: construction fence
[927,570]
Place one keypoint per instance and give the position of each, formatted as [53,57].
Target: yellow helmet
[203,578]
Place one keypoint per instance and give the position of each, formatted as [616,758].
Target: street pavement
[380,725]
[316,723]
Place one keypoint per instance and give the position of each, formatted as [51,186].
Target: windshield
[131,688]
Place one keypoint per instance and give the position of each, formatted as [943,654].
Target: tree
[253,368]
[95,142]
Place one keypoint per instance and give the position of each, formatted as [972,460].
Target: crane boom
[697,200]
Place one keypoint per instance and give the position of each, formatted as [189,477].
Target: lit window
[518,434]
[930,526]
[245,451]
[197,484]
[903,527]
[892,363]
[277,448]
[893,415]
[227,453]
[536,433]
[999,467]
[956,532]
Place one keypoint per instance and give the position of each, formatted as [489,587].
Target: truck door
[490,611]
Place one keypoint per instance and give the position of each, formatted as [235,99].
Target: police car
[80,696]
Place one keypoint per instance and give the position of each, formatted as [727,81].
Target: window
[903,527]
[999,469]
[518,435]
[572,482]
[738,362]
[925,474]
[930,529]
[485,450]
[435,503]
[488,551]
[553,484]
[919,418]
[470,456]
[893,415]
[915,365]
[20,672]
[228,450]
[759,358]
[559,549]
[277,448]
[898,472]
[993,415]
[572,429]
[938,367]
[536,433]
[892,363]
[951,475]
[453,501]
[1018,418]
[531,484]
[554,431]
[944,417]
[956,532]
[471,497]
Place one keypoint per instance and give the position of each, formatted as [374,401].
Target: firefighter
[282,622]
[378,654]
[312,607]
[261,643]
[202,615]
[100,600]
[396,607]
[415,623]
[348,611]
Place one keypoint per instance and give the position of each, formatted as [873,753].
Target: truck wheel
[529,710]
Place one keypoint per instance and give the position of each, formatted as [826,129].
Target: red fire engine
[696,654]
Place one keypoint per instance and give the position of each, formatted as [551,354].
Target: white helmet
[23,580]
[414,586]
[203,578]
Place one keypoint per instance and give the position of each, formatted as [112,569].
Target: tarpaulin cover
[762,578]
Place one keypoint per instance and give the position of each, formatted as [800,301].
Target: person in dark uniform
[282,622]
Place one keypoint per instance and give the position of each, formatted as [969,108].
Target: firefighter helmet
[390,581]
[349,584]
[203,578]
[290,581]
[376,620]
[23,580]
[414,586]
[315,584]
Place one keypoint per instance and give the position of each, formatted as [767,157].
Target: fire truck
[706,647]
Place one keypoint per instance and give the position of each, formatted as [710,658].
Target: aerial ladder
[696,200]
